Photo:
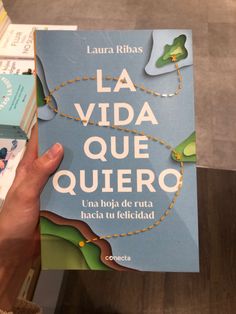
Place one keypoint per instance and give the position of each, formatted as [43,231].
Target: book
[15,66]
[18,40]
[121,103]
[17,104]
[11,152]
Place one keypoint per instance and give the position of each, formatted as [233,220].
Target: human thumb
[43,167]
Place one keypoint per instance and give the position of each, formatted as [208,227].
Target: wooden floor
[212,291]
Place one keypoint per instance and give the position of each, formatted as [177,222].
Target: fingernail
[54,150]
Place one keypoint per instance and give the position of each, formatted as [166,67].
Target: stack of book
[17,47]
[17,115]
[17,107]
[17,93]
[4,19]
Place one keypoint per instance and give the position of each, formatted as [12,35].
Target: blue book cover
[121,103]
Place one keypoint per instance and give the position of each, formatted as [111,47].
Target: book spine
[13,133]
[29,119]
[28,109]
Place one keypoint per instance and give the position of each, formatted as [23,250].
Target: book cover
[14,66]
[121,103]
[17,101]
[18,39]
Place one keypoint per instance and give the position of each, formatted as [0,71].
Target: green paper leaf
[190,149]
[186,150]
[177,50]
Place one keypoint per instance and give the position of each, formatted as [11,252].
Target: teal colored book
[121,103]
[17,104]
